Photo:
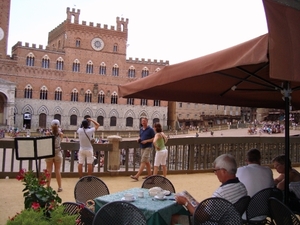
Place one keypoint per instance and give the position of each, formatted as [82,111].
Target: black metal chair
[216,211]
[121,213]
[158,181]
[88,188]
[85,216]
[242,204]
[258,211]
[281,214]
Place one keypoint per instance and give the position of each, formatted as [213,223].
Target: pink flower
[35,205]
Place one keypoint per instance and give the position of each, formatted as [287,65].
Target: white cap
[55,122]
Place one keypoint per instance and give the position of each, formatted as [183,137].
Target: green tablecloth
[155,211]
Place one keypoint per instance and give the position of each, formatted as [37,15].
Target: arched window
[58,94]
[145,72]
[76,66]
[101,97]
[100,120]
[73,120]
[77,43]
[130,101]
[155,120]
[113,121]
[131,72]
[28,91]
[129,122]
[57,117]
[102,69]
[89,67]
[156,102]
[30,59]
[59,63]
[114,98]
[115,70]
[43,93]
[115,49]
[88,96]
[74,95]
[45,61]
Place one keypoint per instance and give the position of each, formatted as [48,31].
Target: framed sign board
[34,147]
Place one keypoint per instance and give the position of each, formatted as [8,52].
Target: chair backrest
[158,181]
[281,214]
[242,204]
[258,205]
[88,188]
[216,211]
[121,213]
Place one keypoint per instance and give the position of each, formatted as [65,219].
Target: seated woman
[294,175]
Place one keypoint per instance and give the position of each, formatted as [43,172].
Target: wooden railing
[186,155]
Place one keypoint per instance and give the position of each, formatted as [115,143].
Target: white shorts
[161,157]
[86,154]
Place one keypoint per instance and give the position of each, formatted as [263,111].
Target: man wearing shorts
[146,139]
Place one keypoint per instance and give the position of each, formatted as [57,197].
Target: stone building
[75,75]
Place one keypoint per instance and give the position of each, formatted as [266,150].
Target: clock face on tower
[1,34]
[97,44]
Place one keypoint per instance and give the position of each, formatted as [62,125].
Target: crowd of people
[266,127]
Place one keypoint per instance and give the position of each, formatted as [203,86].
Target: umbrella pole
[287,95]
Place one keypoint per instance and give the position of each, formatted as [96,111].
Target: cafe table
[156,211]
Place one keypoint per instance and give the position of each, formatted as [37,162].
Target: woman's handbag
[91,140]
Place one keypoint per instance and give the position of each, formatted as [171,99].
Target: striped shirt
[232,190]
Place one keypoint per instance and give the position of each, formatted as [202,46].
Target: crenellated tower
[74,14]
[4,26]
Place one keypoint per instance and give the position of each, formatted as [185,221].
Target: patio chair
[216,211]
[257,211]
[88,188]
[85,215]
[242,204]
[121,213]
[281,214]
[158,181]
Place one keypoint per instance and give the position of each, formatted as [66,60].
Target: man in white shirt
[254,176]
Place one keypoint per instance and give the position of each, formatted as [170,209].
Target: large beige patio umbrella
[262,72]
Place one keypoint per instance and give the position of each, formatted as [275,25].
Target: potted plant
[42,204]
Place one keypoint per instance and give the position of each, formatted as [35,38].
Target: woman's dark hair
[158,127]
[85,124]
[281,160]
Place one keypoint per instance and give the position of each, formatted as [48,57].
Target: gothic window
[129,122]
[115,70]
[73,120]
[76,66]
[89,67]
[28,91]
[156,103]
[115,48]
[58,94]
[77,43]
[102,69]
[30,59]
[113,121]
[130,101]
[88,96]
[101,97]
[59,63]
[44,93]
[114,98]
[143,101]
[131,72]
[145,72]
[100,120]
[45,62]
[74,96]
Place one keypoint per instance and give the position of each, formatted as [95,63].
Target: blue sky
[173,30]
